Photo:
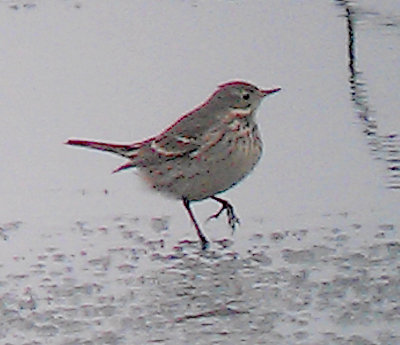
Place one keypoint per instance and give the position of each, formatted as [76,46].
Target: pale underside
[218,161]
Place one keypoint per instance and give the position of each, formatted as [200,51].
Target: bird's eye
[246,96]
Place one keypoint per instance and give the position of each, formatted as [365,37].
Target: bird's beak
[268,92]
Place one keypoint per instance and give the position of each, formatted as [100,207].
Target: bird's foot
[233,220]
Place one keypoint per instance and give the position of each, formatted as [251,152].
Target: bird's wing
[168,145]
[180,139]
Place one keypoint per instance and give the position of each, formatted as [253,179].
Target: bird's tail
[124,150]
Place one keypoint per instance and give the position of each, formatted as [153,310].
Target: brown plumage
[203,153]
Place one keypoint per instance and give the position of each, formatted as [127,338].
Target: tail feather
[127,165]
[124,150]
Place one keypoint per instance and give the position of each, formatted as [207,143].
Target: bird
[202,154]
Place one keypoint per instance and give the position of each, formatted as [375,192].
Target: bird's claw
[233,220]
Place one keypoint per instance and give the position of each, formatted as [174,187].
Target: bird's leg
[226,205]
[203,239]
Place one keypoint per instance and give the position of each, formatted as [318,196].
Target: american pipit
[203,153]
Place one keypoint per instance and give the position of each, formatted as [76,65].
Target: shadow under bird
[205,152]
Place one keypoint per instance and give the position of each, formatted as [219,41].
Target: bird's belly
[207,174]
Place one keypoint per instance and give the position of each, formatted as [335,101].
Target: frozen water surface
[87,257]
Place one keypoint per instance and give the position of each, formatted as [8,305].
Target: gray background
[87,257]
